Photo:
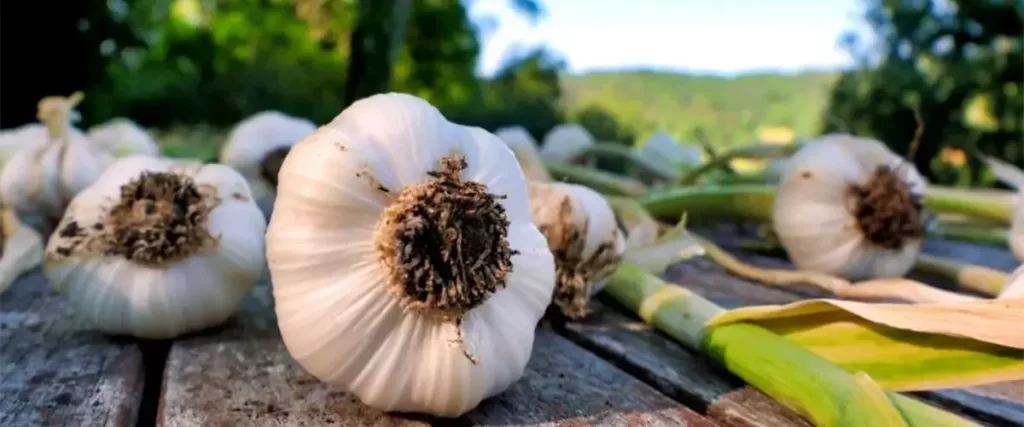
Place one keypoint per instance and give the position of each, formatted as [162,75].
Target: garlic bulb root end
[160,218]
[886,210]
[444,244]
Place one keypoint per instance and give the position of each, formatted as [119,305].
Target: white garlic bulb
[404,264]
[256,147]
[850,207]
[1014,287]
[582,231]
[1017,227]
[664,150]
[156,248]
[13,140]
[40,180]
[123,137]
[525,148]
[21,248]
[566,143]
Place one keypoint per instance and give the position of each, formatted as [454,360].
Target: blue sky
[706,36]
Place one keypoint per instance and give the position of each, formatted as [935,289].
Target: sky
[724,37]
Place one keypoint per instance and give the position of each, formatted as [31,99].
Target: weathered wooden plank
[998,403]
[688,377]
[54,371]
[243,376]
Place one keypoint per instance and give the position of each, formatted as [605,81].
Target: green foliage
[960,64]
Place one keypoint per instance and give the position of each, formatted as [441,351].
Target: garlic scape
[157,248]
[256,147]
[584,235]
[525,148]
[567,143]
[404,263]
[850,207]
[39,180]
[21,248]
[123,137]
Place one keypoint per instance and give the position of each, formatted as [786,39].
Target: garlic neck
[160,218]
[271,164]
[444,244]
[888,213]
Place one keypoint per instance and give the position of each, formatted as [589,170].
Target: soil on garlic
[159,218]
[445,244]
[271,164]
[887,212]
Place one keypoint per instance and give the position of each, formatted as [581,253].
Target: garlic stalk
[567,143]
[1017,228]
[670,154]
[850,207]
[21,248]
[404,262]
[584,235]
[256,147]
[525,148]
[157,248]
[123,137]
[40,180]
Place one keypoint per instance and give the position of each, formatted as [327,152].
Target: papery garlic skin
[123,138]
[815,204]
[39,180]
[177,259]
[664,150]
[525,149]
[14,140]
[21,248]
[340,313]
[1014,287]
[566,143]
[582,231]
[256,147]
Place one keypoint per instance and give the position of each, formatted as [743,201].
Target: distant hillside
[729,110]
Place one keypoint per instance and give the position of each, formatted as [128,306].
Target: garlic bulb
[39,180]
[582,231]
[21,248]
[257,146]
[13,140]
[405,267]
[123,137]
[1017,227]
[850,207]
[566,143]
[156,248]
[662,149]
[1014,287]
[525,148]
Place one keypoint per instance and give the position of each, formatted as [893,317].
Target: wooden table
[609,370]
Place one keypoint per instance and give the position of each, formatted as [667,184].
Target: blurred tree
[960,63]
[379,32]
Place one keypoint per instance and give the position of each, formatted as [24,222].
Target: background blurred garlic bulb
[158,248]
[405,266]
[21,248]
[774,170]
[257,146]
[525,148]
[40,180]
[13,140]
[671,155]
[850,207]
[584,236]
[1017,228]
[566,143]
[123,137]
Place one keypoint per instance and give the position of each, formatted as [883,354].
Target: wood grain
[55,371]
[243,376]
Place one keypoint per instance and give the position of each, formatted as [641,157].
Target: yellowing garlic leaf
[404,262]
[21,248]
[123,138]
[566,143]
[525,148]
[256,147]
[157,248]
[904,347]
[850,207]
[583,234]
[40,180]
